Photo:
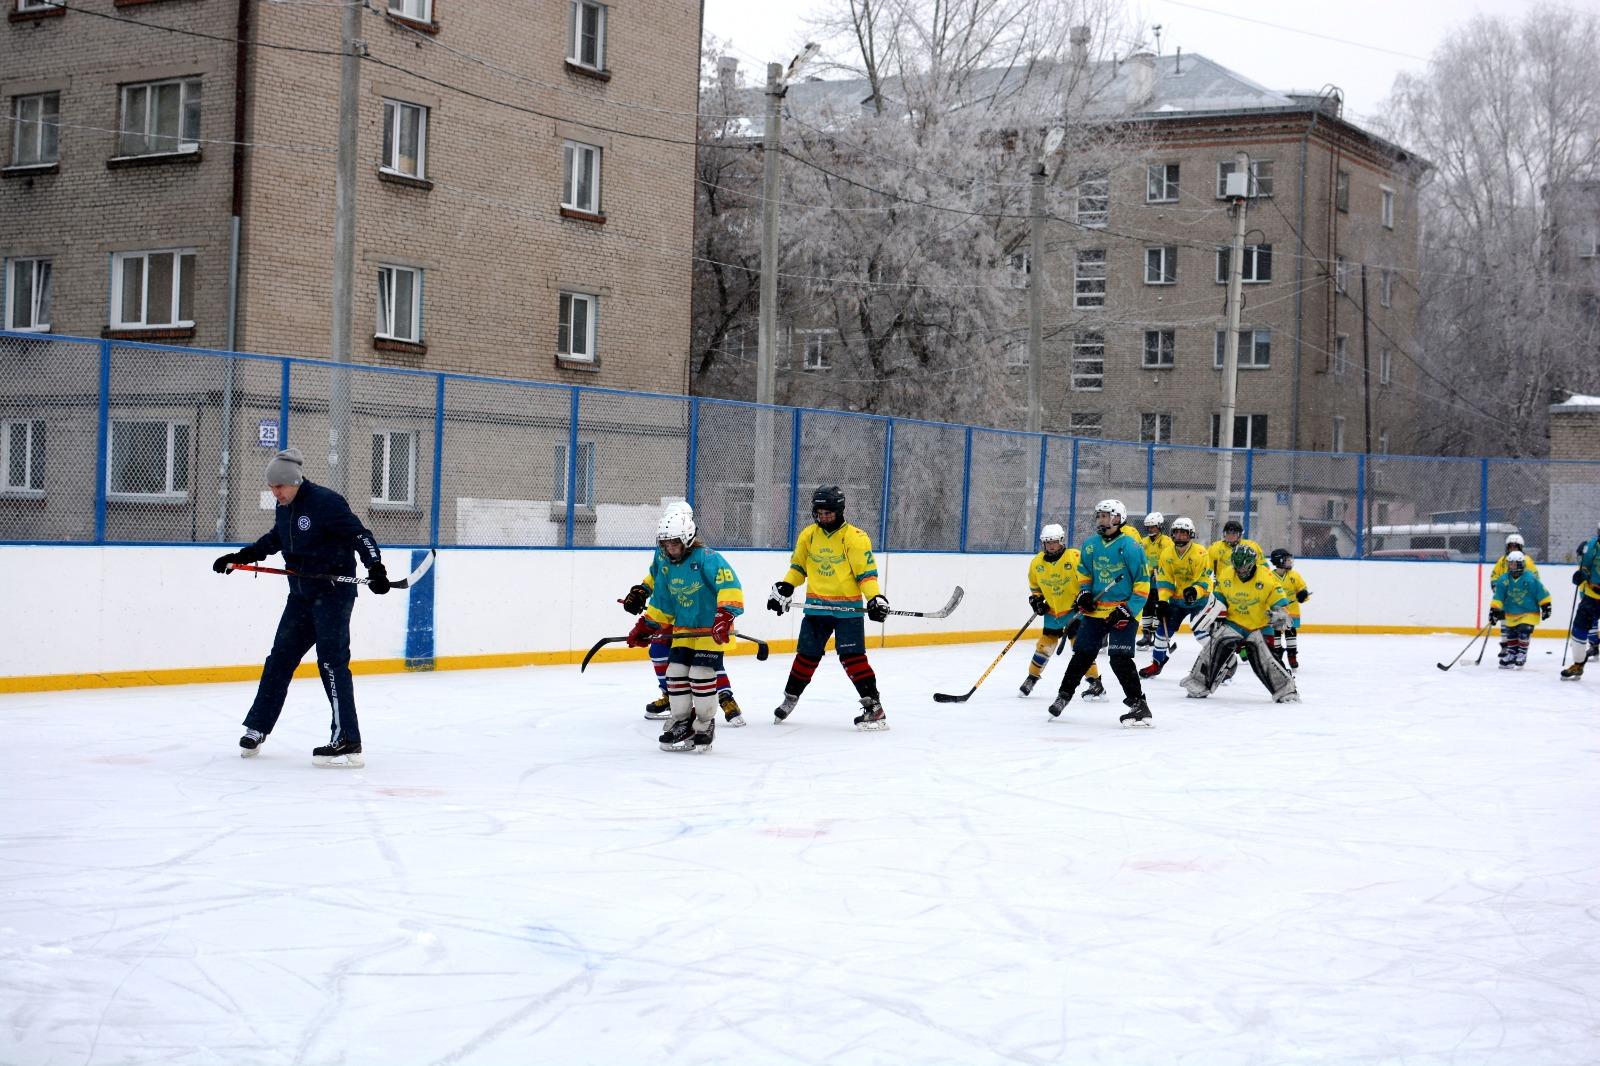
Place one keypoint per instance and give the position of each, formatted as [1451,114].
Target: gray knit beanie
[285,468]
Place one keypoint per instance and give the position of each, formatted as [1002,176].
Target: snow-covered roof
[1576,402]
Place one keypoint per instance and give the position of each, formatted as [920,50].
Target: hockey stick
[1566,638]
[943,612]
[762,650]
[945,697]
[1483,648]
[404,583]
[1480,633]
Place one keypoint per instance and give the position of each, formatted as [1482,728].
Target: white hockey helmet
[676,524]
[678,505]
[1053,531]
[1113,507]
[1513,538]
[1516,561]
[1154,518]
[1184,523]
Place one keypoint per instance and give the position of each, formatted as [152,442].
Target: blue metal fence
[107,442]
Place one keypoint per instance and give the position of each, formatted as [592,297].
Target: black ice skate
[660,707]
[1027,685]
[786,708]
[679,735]
[730,710]
[1138,713]
[1573,672]
[871,719]
[1059,704]
[702,741]
[344,753]
[1095,690]
[251,743]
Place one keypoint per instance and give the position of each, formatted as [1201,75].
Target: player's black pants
[320,618]
[1092,632]
[849,640]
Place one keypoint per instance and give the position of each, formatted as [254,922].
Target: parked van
[1436,540]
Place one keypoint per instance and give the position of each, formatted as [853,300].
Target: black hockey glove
[1302,596]
[378,578]
[1190,594]
[1577,577]
[1038,604]
[222,562]
[1084,603]
[634,601]
[1496,615]
[1163,610]
[780,597]
[1120,617]
[878,608]
[1544,611]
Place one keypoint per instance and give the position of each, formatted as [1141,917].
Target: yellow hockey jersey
[1222,554]
[1176,572]
[1153,547]
[1251,603]
[1058,582]
[1500,567]
[837,569]
[1293,584]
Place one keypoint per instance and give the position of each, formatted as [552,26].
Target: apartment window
[35,129]
[580,177]
[1337,444]
[1388,209]
[1260,177]
[148,458]
[415,10]
[1257,264]
[1089,278]
[1383,508]
[1088,362]
[28,288]
[37,5]
[394,468]
[1341,354]
[585,475]
[816,345]
[1155,428]
[1021,266]
[1589,244]
[22,457]
[1086,424]
[1383,442]
[1161,266]
[1386,287]
[1249,431]
[1255,348]
[1094,198]
[1160,345]
[1385,366]
[405,139]
[1016,357]
[152,289]
[588,35]
[1161,183]
[579,323]
[1341,274]
[161,117]
[1341,190]
[400,304]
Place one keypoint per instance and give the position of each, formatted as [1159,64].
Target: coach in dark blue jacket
[316,531]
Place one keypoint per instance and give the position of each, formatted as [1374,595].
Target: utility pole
[767,327]
[1036,302]
[1366,395]
[351,49]
[1238,191]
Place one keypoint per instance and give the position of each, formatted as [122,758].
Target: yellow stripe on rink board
[214,674]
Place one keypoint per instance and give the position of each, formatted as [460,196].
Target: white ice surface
[1404,868]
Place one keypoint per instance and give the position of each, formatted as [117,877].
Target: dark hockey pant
[849,640]
[1092,632]
[320,618]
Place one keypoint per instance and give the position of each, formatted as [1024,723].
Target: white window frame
[412,10]
[383,469]
[1341,354]
[121,264]
[1087,424]
[1386,210]
[1336,442]
[585,472]
[1386,287]
[1254,343]
[43,129]
[1089,278]
[388,328]
[184,140]
[1261,171]
[39,294]
[37,5]
[814,347]
[1383,446]
[1249,422]
[171,490]
[394,112]
[1089,362]
[1385,366]
[1155,427]
[1166,349]
[1341,191]
[1161,265]
[1255,257]
[1161,183]
[1092,208]
[574,42]
[1020,266]
[571,153]
[568,305]
[1341,274]
[33,458]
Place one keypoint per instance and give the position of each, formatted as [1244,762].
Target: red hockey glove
[641,632]
[722,626]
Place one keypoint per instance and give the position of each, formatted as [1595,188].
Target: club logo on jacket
[304,523]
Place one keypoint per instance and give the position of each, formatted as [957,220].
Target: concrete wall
[88,617]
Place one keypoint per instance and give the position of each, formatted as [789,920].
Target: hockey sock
[1291,641]
[1042,650]
[1093,671]
[1127,676]
[800,674]
[678,691]
[659,650]
[724,686]
[861,675]
[703,687]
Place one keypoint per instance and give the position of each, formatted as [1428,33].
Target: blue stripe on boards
[419,616]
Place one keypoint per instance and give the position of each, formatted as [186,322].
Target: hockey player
[1513,544]
[1222,550]
[1053,586]
[697,594]
[1254,601]
[1155,541]
[834,560]
[634,602]
[1183,590]
[317,532]
[1520,602]
[1116,584]
[1288,642]
[1587,613]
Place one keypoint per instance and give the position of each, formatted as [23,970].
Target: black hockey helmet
[829,498]
[1281,559]
[1233,525]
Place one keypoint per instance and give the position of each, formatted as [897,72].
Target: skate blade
[687,745]
[249,753]
[702,749]
[339,762]
[738,722]
[658,717]
[873,727]
[1146,724]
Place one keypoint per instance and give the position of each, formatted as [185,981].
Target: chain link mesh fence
[632,457]
[843,450]
[504,464]
[1307,502]
[1424,508]
[744,456]
[49,436]
[1004,491]
[925,501]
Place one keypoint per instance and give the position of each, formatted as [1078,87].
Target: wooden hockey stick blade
[416,575]
[602,642]
[762,651]
[945,697]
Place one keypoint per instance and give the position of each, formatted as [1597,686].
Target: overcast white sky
[1389,36]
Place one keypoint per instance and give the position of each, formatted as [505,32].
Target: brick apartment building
[524,199]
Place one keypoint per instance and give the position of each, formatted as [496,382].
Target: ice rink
[1403,868]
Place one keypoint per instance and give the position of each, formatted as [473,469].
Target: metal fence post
[1072,494]
[888,477]
[794,474]
[694,446]
[103,456]
[283,406]
[1249,483]
[1361,505]
[1483,512]
[572,465]
[438,460]
[1038,503]
[966,485]
[1150,478]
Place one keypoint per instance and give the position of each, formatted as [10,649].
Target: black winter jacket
[316,533]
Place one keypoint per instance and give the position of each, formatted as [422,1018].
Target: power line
[1295,29]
